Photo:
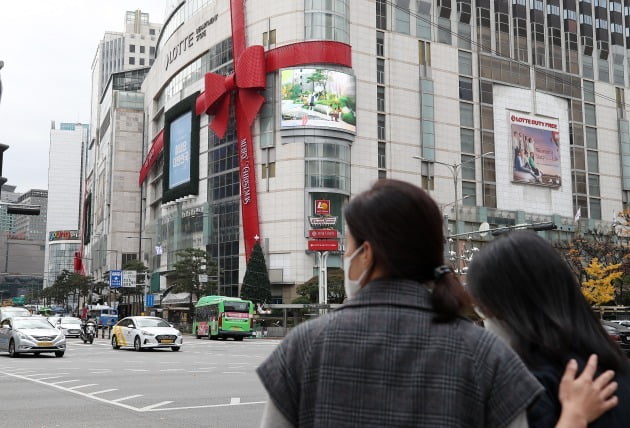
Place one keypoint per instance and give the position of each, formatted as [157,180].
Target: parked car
[70,326]
[13,311]
[624,323]
[30,335]
[146,332]
[619,334]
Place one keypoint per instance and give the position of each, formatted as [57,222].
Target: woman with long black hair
[530,297]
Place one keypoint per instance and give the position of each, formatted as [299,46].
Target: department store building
[529,96]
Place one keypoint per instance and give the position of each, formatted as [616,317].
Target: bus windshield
[229,306]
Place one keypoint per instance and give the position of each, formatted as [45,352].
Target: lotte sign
[322,233]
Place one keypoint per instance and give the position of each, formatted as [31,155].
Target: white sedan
[30,334]
[146,332]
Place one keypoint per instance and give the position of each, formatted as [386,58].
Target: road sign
[323,245]
[129,278]
[323,221]
[115,278]
[322,206]
[150,300]
[322,233]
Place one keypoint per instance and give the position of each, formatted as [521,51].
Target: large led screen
[180,155]
[181,151]
[535,150]
[317,97]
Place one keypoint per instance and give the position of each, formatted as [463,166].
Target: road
[206,384]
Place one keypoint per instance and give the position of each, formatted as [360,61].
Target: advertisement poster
[535,150]
[318,97]
[180,150]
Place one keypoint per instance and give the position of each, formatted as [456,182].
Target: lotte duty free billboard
[535,150]
[317,97]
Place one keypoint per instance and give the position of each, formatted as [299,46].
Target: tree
[599,289]
[310,289]
[256,286]
[191,263]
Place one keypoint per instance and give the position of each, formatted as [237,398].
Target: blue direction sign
[115,278]
[150,300]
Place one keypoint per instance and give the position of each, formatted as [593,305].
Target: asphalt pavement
[205,384]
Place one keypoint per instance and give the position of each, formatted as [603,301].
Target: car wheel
[136,344]
[175,348]
[12,352]
[198,336]
[238,338]
[115,344]
[91,340]
[59,354]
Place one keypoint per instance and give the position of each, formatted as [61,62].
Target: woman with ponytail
[398,352]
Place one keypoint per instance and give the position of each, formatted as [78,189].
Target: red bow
[248,78]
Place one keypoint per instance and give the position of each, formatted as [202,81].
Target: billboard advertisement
[180,151]
[535,150]
[317,97]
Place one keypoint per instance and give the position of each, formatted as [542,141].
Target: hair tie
[440,271]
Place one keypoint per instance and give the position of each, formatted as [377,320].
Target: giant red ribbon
[250,67]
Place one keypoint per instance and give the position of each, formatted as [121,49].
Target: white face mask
[352,286]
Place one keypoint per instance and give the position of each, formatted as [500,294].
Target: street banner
[323,245]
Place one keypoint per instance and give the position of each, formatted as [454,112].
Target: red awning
[154,153]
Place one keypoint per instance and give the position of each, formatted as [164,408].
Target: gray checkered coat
[381,361]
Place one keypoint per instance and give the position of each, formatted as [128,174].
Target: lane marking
[45,374]
[152,406]
[103,391]
[233,372]
[83,386]
[129,397]
[137,370]
[207,406]
[235,400]
[51,377]
[64,381]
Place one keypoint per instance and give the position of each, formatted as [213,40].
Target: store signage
[188,41]
[63,235]
[323,233]
[323,245]
[322,207]
[129,278]
[323,221]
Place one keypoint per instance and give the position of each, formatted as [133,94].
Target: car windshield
[70,320]
[236,306]
[16,311]
[31,323]
[151,322]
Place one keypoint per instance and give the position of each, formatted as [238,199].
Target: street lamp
[455,169]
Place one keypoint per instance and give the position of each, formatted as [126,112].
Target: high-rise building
[110,219]
[65,190]
[33,227]
[507,112]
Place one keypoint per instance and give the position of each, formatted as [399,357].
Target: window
[591,137]
[423,19]
[132,60]
[325,21]
[469,191]
[141,61]
[380,71]
[589,114]
[596,209]
[269,170]
[381,126]
[467,140]
[141,49]
[424,53]
[380,98]
[151,51]
[465,63]
[588,88]
[269,38]
[465,88]
[466,117]
[593,161]
[382,164]
[132,48]
[380,43]
[381,14]
[152,31]
[402,17]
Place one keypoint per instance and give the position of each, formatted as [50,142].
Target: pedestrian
[531,298]
[398,353]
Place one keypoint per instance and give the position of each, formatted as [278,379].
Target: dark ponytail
[404,227]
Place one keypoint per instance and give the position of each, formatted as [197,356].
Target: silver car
[13,311]
[70,326]
[30,335]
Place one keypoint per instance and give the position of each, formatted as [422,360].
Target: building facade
[507,112]
[65,190]
[31,227]
[8,221]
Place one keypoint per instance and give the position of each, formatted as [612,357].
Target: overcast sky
[48,47]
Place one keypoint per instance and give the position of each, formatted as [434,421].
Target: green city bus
[222,317]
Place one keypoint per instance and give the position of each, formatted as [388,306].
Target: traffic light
[23,209]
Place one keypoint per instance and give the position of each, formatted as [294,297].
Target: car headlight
[23,336]
[146,333]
